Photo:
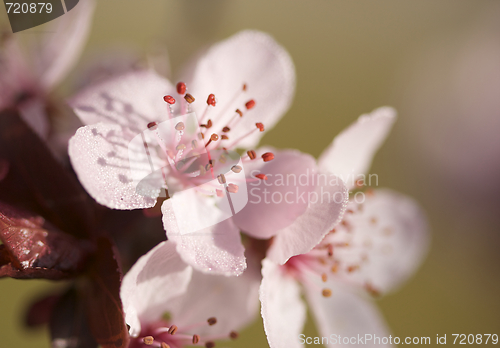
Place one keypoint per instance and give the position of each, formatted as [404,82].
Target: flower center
[201,153]
[345,252]
[161,334]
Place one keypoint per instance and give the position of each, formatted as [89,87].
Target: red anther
[326,292]
[330,250]
[324,277]
[180,126]
[189,98]
[152,125]
[212,321]
[236,169]
[244,86]
[226,129]
[222,180]
[233,335]
[268,156]
[260,126]
[251,154]
[353,268]
[148,340]
[232,188]
[239,112]
[181,88]
[209,344]
[209,123]
[261,176]
[211,100]
[169,99]
[224,137]
[196,339]
[250,104]
[172,329]
[213,137]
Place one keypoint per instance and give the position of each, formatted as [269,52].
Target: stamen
[226,129]
[261,176]
[209,344]
[353,268]
[326,292]
[211,100]
[196,339]
[148,340]
[232,188]
[259,126]
[239,113]
[180,126]
[181,88]
[172,329]
[233,335]
[222,180]
[250,104]
[324,277]
[213,137]
[268,156]
[212,320]
[224,137]
[236,169]
[189,98]
[208,125]
[244,87]
[330,250]
[164,345]
[169,99]
[251,154]
[152,125]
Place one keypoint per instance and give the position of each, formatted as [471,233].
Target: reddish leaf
[103,304]
[39,312]
[68,324]
[35,249]
[35,180]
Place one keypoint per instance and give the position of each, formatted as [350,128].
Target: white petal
[63,43]
[388,238]
[155,278]
[131,100]
[215,249]
[252,58]
[346,314]
[99,155]
[282,309]
[233,301]
[351,152]
[325,210]
[277,202]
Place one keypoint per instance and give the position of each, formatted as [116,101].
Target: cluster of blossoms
[185,154]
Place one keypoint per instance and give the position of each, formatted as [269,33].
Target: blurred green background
[436,61]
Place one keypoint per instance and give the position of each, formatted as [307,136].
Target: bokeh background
[436,61]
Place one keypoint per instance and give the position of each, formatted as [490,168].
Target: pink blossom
[161,294]
[27,76]
[378,244]
[238,88]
